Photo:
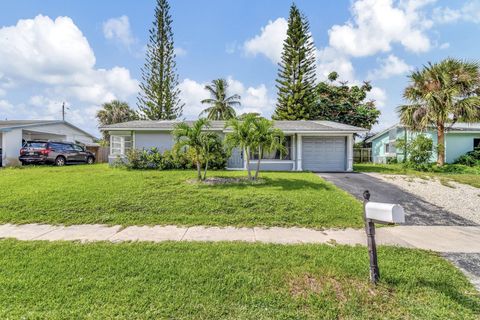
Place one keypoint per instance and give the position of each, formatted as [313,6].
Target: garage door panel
[324,153]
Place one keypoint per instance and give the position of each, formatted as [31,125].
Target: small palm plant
[267,139]
[242,136]
[221,106]
[211,143]
[254,134]
[198,140]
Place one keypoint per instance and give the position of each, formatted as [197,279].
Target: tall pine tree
[297,72]
[159,94]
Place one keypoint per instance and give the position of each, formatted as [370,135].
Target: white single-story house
[459,139]
[311,145]
[14,132]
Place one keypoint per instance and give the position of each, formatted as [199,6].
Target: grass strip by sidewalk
[226,281]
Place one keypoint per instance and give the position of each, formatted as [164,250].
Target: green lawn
[100,194]
[471,176]
[41,280]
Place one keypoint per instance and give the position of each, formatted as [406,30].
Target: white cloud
[270,41]
[55,52]
[469,12]
[180,52]
[254,99]
[329,60]
[5,107]
[55,59]
[389,67]
[118,29]
[444,45]
[44,50]
[378,24]
[378,95]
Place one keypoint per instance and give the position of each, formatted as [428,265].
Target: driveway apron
[417,211]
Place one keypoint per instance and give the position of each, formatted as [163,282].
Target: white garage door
[323,153]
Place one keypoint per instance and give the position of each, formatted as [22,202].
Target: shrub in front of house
[392,160]
[419,152]
[471,158]
[153,159]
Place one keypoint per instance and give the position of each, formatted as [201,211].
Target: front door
[236,159]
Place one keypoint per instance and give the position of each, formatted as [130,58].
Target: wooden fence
[101,153]
[361,155]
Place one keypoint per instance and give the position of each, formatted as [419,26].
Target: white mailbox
[385,212]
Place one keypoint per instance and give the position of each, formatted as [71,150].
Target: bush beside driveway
[100,194]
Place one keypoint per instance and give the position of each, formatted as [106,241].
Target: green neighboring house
[460,139]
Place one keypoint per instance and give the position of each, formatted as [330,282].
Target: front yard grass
[471,176]
[100,194]
[42,280]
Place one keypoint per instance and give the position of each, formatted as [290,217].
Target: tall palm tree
[440,95]
[221,106]
[113,112]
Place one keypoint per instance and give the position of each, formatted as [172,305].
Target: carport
[14,132]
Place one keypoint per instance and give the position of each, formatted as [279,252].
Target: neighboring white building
[13,132]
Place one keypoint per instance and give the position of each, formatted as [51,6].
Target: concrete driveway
[417,211]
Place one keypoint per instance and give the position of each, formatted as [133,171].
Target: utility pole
[63,110]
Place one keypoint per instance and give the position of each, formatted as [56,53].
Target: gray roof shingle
[288,126]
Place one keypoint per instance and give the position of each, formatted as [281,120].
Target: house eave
[227,131]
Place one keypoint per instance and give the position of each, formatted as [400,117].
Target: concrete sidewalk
[451,239]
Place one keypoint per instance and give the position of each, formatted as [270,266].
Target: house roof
[287,126]
[456,127]
[10,124]
[6,125]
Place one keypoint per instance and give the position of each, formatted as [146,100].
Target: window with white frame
[390,148]
[119,145]
[276,154]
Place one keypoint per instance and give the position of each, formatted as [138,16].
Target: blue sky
[86,53]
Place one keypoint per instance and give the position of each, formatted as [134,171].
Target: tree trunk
[199,170]
[258,162]
[205,172]
[441,144]
[247,155]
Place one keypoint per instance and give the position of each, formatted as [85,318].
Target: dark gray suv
[53,152]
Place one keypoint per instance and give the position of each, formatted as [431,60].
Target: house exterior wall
[458,144]
[268,165]
[164,141]
[11,144]
[146,140]
[378,148]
